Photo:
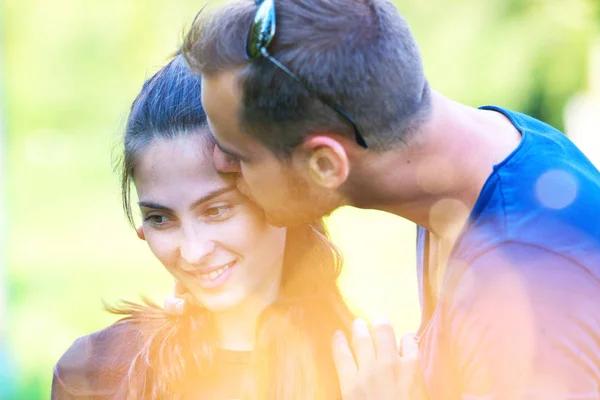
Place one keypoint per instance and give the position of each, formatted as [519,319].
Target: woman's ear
[140,232]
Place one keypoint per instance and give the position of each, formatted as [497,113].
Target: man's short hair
[360,54]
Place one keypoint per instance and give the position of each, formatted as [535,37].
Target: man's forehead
[221,107]
[226,134]
[221,96]
[223,86]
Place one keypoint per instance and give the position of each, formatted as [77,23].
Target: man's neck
[436,179]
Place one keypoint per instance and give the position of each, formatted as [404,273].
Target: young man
[328,105]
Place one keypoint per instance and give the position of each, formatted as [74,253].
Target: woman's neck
[236,328]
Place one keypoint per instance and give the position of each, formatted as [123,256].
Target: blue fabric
[518,314]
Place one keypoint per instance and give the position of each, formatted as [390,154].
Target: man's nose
[224,162]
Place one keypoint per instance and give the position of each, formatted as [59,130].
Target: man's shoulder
[96,363]
[523,121]
[542,195]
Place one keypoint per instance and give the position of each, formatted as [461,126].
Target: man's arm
[524,323]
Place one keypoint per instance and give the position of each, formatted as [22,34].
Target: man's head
[294,152]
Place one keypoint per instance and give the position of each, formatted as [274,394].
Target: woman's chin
[220,302]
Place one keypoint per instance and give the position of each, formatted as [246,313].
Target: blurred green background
[69,70]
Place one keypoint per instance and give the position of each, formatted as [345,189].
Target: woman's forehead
[174,159]
[178,166]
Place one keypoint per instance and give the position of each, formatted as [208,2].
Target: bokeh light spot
[556,189]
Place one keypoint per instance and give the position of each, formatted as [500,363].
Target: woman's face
[206,234]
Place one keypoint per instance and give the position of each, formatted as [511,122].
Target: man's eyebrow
[203,199]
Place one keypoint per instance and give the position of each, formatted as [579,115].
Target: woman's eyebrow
[150,204]
[209,196]
[212,195]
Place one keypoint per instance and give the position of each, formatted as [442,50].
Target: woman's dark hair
[292,357]
[167,107]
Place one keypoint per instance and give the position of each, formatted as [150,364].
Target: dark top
[95,365]
[518,312]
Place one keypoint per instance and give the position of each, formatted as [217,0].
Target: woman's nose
[195,249]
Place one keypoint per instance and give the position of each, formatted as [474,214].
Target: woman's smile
[214,277]
[211,238]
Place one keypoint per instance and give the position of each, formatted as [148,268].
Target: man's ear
[140,232]
[327,161]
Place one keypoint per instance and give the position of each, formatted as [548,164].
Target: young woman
[268,303]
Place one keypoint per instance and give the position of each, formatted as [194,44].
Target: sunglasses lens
[262,30]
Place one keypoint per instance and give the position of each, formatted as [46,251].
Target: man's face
[281,188]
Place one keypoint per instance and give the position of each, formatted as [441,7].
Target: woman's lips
[215,277]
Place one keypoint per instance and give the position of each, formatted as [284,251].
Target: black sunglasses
[259,38]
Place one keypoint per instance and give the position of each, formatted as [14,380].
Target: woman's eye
[156,220]
[218,212]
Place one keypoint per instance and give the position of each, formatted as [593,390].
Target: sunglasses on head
[260,36]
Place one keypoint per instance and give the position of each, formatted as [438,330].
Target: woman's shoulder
[95,364]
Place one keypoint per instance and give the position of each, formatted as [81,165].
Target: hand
[376,370]
[180,302]
[412,373]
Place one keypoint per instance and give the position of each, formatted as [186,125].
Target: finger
[179,289]
[362,343]
[409,346]
[411,380]
[417,388]
[386,350]
[174,305]
[344,363]
[384,339]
